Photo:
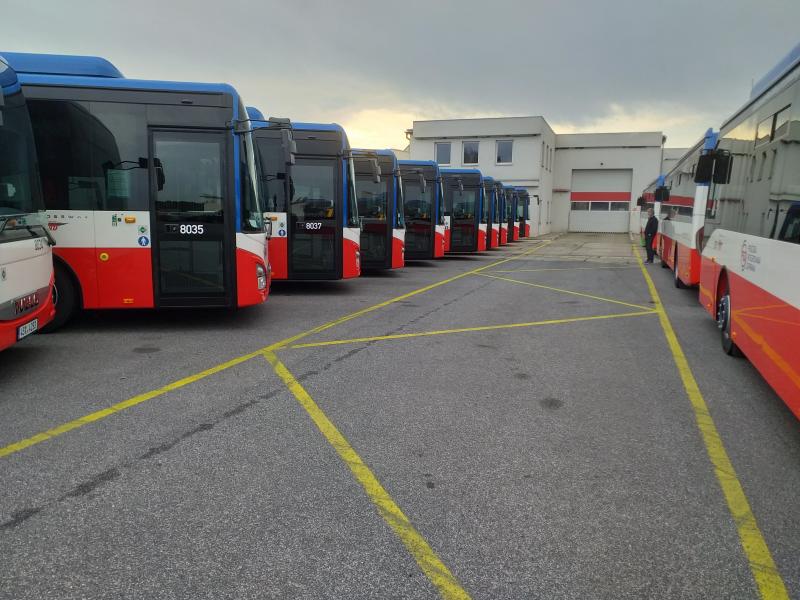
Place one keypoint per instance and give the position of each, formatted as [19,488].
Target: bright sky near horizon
[621,65]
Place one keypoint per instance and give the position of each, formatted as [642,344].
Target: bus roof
[462,172]
[318,127]
[33,72]
[419,163]
[255,114]
[62,64]
[774,76]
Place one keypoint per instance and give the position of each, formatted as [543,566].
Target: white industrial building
[582,182]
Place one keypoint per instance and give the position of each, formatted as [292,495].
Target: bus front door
[191,238]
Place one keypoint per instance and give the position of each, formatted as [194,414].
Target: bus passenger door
[192,237]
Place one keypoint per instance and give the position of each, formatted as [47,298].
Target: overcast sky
[612,65]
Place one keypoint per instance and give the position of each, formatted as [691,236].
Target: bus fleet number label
[188,229]
[312,226]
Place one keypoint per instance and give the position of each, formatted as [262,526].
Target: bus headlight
[261,275]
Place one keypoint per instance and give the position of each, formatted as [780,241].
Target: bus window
[313,189]
[273,174]
[790,232]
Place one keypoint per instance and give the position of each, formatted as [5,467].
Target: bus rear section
[26,261]
[490,213]
[310,203]
[523,213]
[423,200]
[379,191]
[149,188]
[463,190]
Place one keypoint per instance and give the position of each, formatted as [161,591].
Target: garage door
[600,200]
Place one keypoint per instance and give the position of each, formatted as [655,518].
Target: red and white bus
[26,260]
[502,201]
[149,188]
[512,204]
[749,268]
[681,207]
[423,198]
[523,212]
[310,200]
[379,190]
[491,213]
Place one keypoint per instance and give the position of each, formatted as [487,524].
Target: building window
[764,131]
[442,153]
[580,205]
[505,152]
[781,122]
[470,153]
[618,206]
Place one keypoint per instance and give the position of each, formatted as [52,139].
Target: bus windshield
[372,196]
[464,203]
[419,204]
[19,182]
[313,189]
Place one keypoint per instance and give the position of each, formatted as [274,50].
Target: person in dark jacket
[650,231]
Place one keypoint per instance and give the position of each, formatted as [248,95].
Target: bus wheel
[676,278]
[65,296]
[724,324]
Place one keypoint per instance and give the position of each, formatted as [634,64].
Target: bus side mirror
[268,227]
[289,146]
[640,201]
[704,169]
[662,194]
[722,167]
[422,183]
[460,185]
[161,178]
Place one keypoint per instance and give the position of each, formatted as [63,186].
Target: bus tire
[724,324]
[65,296]
[675,276]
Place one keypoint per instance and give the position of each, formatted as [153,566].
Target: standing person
[650,231]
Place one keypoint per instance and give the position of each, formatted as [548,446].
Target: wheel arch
[60,262]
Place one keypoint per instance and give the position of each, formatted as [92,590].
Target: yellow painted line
[768,579]
[555,289]
[139,399]
[120,406]
[562,269]
[404,336]
[426,558]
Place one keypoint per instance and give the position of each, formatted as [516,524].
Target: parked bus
[463,195]
[26,259]
[682,211]
[490,210]
[379,192]
[751,252]
[310,199]
[502,221]
[523,212]
[149,188]
[511,213]
[653,196]
[423,200]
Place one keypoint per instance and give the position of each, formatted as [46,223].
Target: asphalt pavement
[504,425]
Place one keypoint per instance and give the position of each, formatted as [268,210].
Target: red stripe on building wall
[600,196]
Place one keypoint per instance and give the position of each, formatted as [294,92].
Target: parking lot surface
[516,424]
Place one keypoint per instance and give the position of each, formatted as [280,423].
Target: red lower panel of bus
[279,257]
[688,260]
[495,237]
[527,230]
[767,329]
[764,327]
[438,245]
[515,236]
[503,236]
[247,292]
[351,262]
[398,253]
[481,240]
[44,313]
[447,238]
[112,277]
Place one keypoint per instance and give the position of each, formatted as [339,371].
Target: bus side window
[790,232]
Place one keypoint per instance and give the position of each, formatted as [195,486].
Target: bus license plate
[27,329]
